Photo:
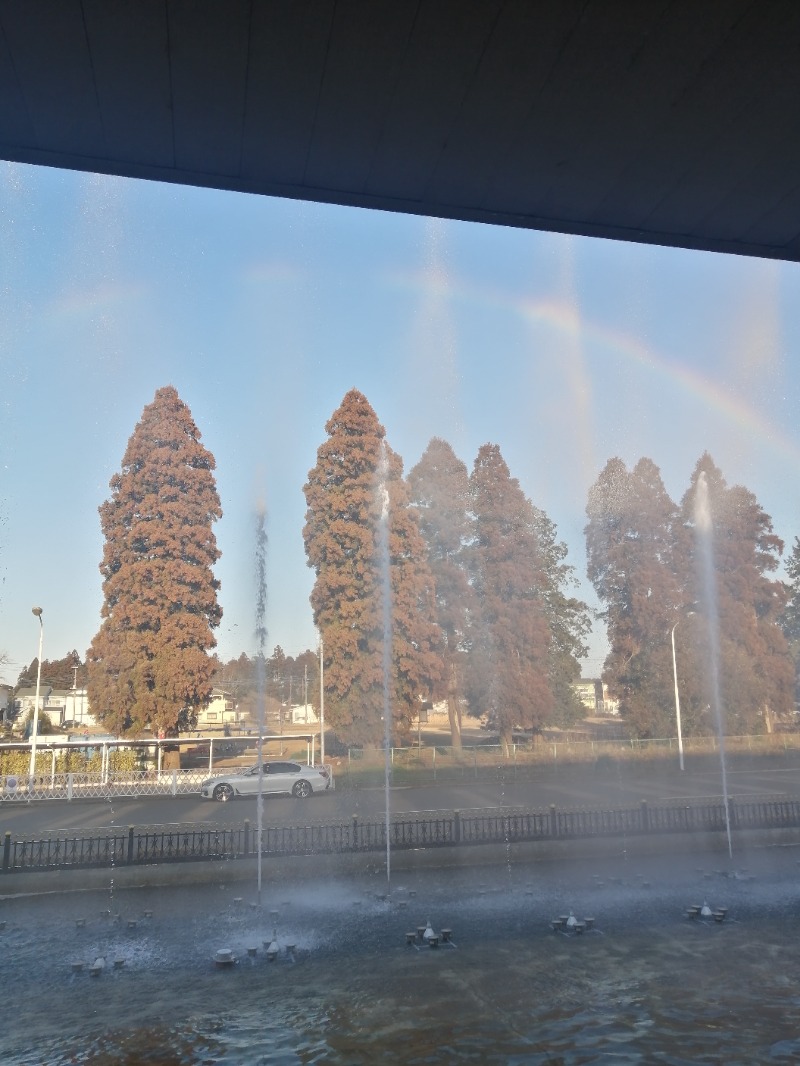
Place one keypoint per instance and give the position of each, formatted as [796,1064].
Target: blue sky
[264,312]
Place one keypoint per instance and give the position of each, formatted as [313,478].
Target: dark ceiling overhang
[672,122]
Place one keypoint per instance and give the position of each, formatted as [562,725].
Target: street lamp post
[38,612]
[677,696]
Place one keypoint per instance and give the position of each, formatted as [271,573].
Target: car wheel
[223,793]
[302,790]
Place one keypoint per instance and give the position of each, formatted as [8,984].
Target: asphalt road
[568,787]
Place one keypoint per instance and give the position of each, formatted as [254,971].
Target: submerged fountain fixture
[718,914]
[224,958]
[569,925]
[425,936]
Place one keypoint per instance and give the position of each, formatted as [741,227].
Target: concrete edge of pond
[288,868]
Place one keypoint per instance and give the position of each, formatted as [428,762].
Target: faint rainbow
[560,316]
[99,298]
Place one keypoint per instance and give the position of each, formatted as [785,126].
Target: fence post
[355,830]
[645,817]
[174,782]
[6,852]
[456,827]
[130,843]
[553,820]
[70,781]
[246,837]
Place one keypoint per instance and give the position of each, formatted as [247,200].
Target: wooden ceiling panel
[130,60]
[51,58]
[16,127]
[666,120]
[288,44]
[513,68]
[429,95]
[364,58]
[208,52]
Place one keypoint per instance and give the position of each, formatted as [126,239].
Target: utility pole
[38,612]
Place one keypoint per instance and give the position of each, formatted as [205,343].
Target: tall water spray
[704,527]
[386,603]
[261,670]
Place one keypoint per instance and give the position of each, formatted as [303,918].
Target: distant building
[594,695]
[5,700]
[590,692]
[303,714]
[607,705]
[25,699]
[222,712]
[76,709]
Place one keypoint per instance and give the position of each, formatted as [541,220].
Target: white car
[291,778]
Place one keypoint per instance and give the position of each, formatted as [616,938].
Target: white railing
[101,785]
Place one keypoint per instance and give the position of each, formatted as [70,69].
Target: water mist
[261,669]
[386,603]
[704,527]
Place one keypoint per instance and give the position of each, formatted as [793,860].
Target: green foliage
[790,617]
[512,634]
[507,677]
[440,494]
[69,760]
[645,561]
[344,499]
[149,661]
[755,668]
[60,673]
[44,724]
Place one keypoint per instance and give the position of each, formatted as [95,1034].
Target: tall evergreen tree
[440,494]
[342,545]
[634,541]
[149,663]
[790,618]
[756,674]
[509,671]
[60,673]
[568,619]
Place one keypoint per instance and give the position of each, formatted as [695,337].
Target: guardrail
[442,829]
[101,785]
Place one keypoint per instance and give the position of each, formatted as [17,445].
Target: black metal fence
[193,843]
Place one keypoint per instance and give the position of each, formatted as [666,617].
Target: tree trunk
[767,718]
[171,759]
[455,722]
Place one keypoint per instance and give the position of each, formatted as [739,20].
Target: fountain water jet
[705,533]
[261,678]
[386,590]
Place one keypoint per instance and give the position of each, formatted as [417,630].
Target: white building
[303,714]
[222,711]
